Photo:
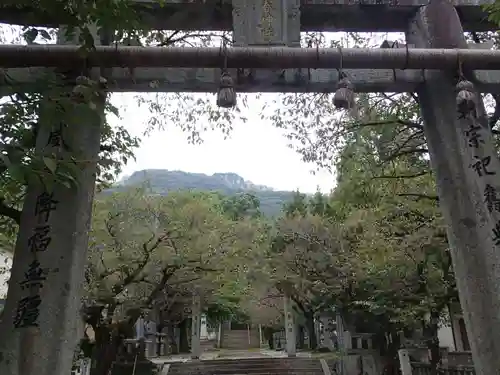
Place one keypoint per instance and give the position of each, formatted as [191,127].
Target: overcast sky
[256,150]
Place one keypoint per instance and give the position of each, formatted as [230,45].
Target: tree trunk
[389,351]
[108,345]
[174,348]
[104,352]
[270,341]
[183,336]
[311,329]
[301,340]
[268,335]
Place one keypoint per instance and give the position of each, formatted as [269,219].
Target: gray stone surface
[266,22]
[471,225]
[207,80]
[39,337]
[326,15]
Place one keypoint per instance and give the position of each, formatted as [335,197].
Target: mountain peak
[235,181]
[229,180]
[161,181]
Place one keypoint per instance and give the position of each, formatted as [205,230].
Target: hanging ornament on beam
[226,95]
[466,98]
[344,95]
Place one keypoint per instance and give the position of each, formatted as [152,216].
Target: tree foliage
[155,252]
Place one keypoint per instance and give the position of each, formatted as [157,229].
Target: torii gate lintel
[316,15]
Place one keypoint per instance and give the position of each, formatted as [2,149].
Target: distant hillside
[162,181]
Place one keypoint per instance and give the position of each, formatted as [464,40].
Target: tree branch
[408,124]
[405,152]
[167,273]
[10,212]
[420,196]
[402,176]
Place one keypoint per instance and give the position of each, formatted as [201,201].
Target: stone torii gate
[461,150]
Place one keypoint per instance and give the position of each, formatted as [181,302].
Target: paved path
[226,354]
[220,354]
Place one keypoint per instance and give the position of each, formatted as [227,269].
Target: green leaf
[51,164]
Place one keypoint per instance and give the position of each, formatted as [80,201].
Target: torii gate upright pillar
[467,172]
[39,325]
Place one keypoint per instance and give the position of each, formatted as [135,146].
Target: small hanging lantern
[466,98]
[344,96]
[81,90]
[466,95]
[226,95]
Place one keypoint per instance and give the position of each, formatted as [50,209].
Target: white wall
[203,327]
[445,336]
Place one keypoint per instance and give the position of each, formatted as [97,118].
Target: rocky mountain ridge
[161,181]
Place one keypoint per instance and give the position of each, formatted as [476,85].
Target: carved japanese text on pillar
[482,167]
[56,139]
[28,307]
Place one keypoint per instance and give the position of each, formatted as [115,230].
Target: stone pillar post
[404,362]
[341,343]
[467,171]
[261,339]
[195,328]
[327,332]
[290,335]
[219,336]
[39,326]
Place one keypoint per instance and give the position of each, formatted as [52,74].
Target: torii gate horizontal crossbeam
[65,56]
[316,15]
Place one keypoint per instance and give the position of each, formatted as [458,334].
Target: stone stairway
[240,339]
[249,366]
[208,345]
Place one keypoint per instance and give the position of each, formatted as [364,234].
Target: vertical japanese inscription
[28,308]
[481,166]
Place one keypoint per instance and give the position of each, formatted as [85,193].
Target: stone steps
[207,345]
[250,366]
[240,340]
